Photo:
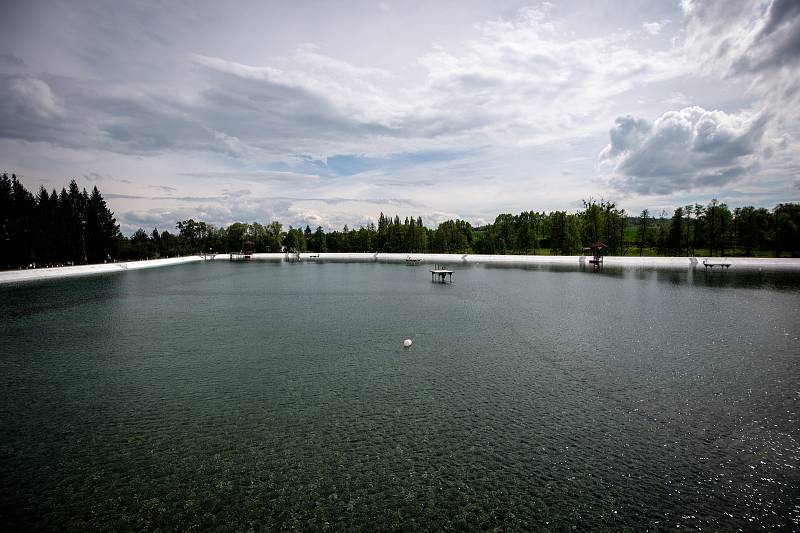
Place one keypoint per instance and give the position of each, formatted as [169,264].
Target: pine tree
[22,215]
[101,228]
[5,221]
[72,217]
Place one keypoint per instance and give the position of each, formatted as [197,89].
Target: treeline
[715,230]
[49,229]
[711,230]
[76,227]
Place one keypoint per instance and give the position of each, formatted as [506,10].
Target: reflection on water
[270,395]
[739,278]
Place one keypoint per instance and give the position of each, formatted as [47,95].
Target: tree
[593,221]
[6,202]
[699,214]
[72,204]
[141,247]
[752,228]
[22,223]
[675,235]
[237,237]
[44,246]
[453,236]
[787,229]
[275,236]
[102,230]
[295,240]
[565,233]
[603,222]
[717,222]
[536,226]
[258,234]
[643,229]
[318,242]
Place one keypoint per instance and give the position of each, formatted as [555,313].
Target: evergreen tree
[72,216]
[6,203]
[320,242]
[102,230]
[44,245]
[23,222]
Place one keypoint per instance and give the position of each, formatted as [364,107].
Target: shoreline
[674,263]
[682,263]
[37,274]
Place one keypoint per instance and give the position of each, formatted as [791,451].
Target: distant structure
[241,256]
[246,254]
[441,274]
[709,267]
[292,256]
[597,249]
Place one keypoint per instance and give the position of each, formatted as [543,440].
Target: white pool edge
[36,274]
[750,263]
[680,263]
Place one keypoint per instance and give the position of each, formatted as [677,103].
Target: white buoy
[407,343]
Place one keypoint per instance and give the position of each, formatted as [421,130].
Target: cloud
[11,60]
[654,28]
[683,150]
[522,81]
[255,175]
[499,114]
[754,40]
[243,206]
[35,97]
[93,176]
[113,196]
[627,132]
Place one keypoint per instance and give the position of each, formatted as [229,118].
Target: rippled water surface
[223,396]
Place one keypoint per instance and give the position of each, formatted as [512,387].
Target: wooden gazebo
[597,249]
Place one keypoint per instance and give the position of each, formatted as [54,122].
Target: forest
[74,226]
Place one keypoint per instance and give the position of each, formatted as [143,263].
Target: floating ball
[407,343]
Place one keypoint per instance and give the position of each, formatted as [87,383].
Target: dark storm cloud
[265,112]
[754,40]
[11,60]
[778,43]
[231,116]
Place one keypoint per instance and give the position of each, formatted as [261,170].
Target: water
[273,396]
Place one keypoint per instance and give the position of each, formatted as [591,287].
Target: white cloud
[654,28]
[35,97]
[523,81]
[256,175]
[683,150]
[519,101]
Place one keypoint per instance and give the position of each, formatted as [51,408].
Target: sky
[327,113]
